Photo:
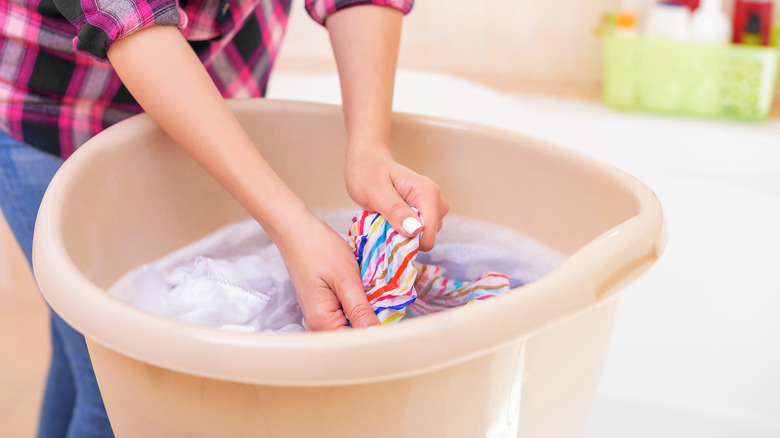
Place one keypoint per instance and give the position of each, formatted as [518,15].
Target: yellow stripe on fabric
[476,287]
[393,317]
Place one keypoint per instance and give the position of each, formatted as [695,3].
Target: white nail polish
[411,225]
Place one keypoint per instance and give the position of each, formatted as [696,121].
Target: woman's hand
[325,274]
[377,183]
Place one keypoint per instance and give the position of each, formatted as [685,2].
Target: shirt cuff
[320,9]
[102,23]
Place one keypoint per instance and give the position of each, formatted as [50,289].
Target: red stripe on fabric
[393,283]
[376,271]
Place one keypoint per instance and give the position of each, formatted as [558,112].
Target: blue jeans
[72,406]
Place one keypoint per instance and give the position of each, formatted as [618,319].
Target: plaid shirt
[57,90]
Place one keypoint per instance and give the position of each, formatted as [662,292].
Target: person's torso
[55,98]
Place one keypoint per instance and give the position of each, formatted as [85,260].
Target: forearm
[167,79]
[365,41]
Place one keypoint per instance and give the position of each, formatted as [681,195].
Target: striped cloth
[436,292]
[396,286]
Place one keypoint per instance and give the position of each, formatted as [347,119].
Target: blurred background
[694,349]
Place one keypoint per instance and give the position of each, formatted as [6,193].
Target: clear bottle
[710,24]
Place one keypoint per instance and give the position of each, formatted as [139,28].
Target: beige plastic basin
[525,364]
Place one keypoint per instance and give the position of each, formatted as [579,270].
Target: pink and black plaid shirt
[57,90]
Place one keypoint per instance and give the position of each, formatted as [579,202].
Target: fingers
[397,212]
[377,183]
[321,310]
[340,299]
[350,293]
[431,205]
[433,208]
[339,295]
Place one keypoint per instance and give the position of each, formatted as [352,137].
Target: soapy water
[235,278]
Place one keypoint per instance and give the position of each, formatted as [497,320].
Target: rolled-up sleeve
[320,9]
[101,22]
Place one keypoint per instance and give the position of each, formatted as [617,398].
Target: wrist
[360,150]
[285,219]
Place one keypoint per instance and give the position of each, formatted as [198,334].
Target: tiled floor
[24,342]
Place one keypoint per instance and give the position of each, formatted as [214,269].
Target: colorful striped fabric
[397,287]
[436,292]
[385,259]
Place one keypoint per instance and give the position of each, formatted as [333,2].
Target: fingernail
[411,225]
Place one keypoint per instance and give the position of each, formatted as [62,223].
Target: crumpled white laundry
[235,278]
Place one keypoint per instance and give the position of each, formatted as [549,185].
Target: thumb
[398,213]
[354,302]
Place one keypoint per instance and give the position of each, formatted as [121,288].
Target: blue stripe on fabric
[361,245]
[374,249]
[396,307]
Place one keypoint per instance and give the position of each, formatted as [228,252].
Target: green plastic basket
[731,81]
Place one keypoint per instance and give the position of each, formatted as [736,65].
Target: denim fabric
[72,406]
